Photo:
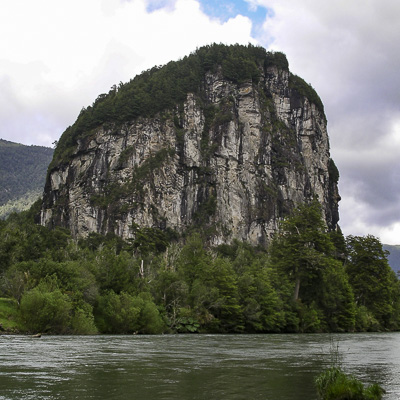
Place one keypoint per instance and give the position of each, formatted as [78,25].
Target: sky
[57,56]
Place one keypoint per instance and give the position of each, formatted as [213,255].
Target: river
[191,367]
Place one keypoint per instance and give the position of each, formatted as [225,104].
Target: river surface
[191,367]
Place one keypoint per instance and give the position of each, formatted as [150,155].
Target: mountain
[22,175]
[394,256]
[226,141]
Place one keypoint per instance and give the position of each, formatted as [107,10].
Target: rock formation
[232,158]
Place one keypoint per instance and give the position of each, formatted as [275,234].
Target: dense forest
[22,175]
[307,280]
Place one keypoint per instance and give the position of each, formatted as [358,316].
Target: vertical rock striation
[232,158]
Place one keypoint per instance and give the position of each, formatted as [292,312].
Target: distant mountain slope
[22,175]
[394,256]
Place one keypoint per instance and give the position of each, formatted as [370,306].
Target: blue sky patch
[154,5]
[225,9]
[222,10]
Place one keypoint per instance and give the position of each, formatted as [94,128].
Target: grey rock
[238,174]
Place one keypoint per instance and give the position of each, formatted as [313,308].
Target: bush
[45,308]
[8,315]
[334,384]
[82,322]
[123,313]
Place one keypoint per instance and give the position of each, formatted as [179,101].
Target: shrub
[334,384]
[45,308]
[82,322]
[124,313]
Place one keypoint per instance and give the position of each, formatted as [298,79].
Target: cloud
[348,51]
[59,56]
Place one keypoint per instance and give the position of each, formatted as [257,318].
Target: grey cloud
[349,52]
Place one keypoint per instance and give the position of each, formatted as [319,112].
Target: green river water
[189,367]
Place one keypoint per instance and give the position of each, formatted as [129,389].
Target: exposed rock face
[234,162]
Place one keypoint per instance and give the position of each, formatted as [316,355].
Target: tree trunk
[296,289]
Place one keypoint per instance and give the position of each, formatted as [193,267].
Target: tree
[374,283]
[194,263]
[302,248]
[227,308]
[117,313]
[337,300]
[262,307]
[305,253]
[15,281]
[170,292]
[117,272]
[82,322]
[124,313]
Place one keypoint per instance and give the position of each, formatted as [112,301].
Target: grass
[8,315]
[334,384]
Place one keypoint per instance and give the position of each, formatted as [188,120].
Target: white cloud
[390,234]
[59,56]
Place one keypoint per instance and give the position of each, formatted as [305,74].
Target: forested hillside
[307,280]
[22,175]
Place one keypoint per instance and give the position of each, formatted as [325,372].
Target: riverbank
[9,316]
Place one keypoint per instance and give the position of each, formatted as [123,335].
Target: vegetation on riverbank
[308,280]
[334,384]
[8,315]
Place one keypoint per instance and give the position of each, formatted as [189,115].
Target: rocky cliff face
[232,159]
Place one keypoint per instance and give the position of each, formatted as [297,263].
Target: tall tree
[303,247]
[375,284]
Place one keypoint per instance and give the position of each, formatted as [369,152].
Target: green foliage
[305,253]
[150,240]
[45,308]
[303,247]
[365,320]
[374,283]
[333,171]
[187,325]
[82,321]
[338,299]
[21,203]
[239,69]
[124,313]
[8,315]
[308,280]
[117,313]
[303,88]
[117,272]
[334,384]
